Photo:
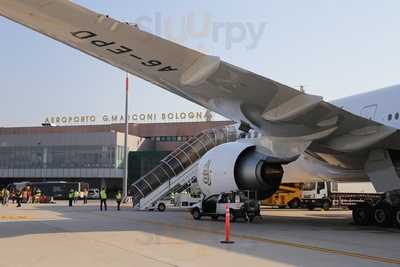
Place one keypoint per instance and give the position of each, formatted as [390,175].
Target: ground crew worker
[103,199]
[25,195]
[118,198]
[6,195]
[85,196]
[71,197]
[76,197]
[38,195]
[13,195]
[1,196]
[18,195]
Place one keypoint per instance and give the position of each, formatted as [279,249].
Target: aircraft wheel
[362,214]
[383,214]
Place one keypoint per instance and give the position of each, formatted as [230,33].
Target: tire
[362,214]
[196,214]
[383,214]
[214,217]
[310,207]
[396,217]
[251,219]
[232,216]
[161,207]
[326,205]
[294,203]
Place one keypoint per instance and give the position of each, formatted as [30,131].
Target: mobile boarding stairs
[179,169]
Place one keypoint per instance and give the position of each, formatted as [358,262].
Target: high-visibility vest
[103,194]
[118,196]
[71,195]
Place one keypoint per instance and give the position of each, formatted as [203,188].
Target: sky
[334,48]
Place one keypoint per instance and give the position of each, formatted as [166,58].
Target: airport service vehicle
[325,195]
[288,195]
[242,204]
[94,193]
[292,136]
[179,200]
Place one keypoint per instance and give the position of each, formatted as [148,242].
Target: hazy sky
[335,48]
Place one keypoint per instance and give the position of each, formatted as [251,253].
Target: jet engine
[239,166]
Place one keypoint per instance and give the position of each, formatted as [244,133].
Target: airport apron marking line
[279,242]
[14,217]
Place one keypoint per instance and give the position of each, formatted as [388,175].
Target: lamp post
[125,179]
[126,151]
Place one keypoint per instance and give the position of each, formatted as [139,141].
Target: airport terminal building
[92,154]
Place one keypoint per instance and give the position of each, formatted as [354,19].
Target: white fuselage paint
[376,105]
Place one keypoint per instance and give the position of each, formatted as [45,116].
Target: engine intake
[256,171]
[239,166]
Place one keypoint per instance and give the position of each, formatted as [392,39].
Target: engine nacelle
[239,166]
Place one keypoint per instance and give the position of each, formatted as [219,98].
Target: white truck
[327,194]
[242,204]
[177,201]
[368,207]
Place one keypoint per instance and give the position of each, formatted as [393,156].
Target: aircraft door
[369,111]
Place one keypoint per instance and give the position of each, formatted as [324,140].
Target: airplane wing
[269,106]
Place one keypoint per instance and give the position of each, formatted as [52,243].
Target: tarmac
[56,235]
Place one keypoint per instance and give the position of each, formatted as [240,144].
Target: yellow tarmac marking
[321,249]
[14,217]
[285,243]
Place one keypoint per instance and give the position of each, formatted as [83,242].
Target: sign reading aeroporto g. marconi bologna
[135,117]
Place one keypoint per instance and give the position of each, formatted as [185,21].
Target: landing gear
[385,212]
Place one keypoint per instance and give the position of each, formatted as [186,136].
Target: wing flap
[293,108]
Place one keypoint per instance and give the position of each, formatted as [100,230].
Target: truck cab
[317,194]
[241,204]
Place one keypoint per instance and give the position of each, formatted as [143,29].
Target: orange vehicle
[288,195]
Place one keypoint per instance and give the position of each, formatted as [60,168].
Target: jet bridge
[179,168]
